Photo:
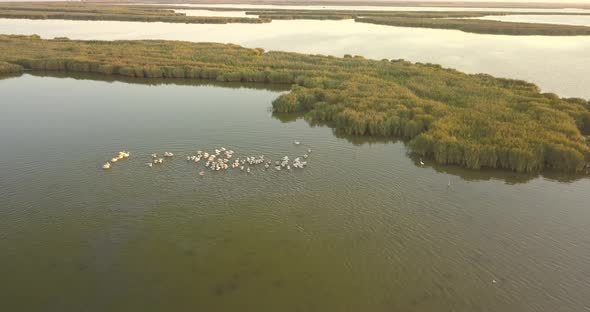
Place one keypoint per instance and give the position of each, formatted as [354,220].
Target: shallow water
[215,13]
[557,64]
[362,228]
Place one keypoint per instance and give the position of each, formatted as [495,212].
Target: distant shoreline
[450,4]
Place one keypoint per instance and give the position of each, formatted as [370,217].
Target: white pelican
[248,170]
[202,173]
[114,159]
[296,142]
[150,164]
[309,150]
[421,162]
[154,155]
[305,156]
[107,165]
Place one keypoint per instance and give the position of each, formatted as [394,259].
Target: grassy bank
[438,20]
[471,120]
[8,68]
[79,11]
[481,26]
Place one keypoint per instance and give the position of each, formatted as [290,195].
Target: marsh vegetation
[470,120]
[424,19]
[96,12]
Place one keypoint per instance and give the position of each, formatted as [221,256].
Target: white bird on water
[421,162]
[107,165]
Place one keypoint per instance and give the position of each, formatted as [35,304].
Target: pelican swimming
[248,170]
[296,142]
[154,155]
[421,162]
[150,164]
[168,154]
[114,160]
[107,165]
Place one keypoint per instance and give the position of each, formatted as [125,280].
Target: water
[557,64]
[363,228]
[215,13]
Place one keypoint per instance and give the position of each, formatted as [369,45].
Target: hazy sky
[520,1]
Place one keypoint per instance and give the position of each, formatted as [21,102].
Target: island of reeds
[464,21]
[98,12]
[476,121]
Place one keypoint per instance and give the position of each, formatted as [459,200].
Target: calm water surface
[362,228]
[557,64]
[215,13]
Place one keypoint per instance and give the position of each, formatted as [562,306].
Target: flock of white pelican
[122,155]
[221,159]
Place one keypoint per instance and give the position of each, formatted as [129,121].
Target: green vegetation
[471,120]
[7,68]
[81,11]
[481,26]
[425,19]
[442,20]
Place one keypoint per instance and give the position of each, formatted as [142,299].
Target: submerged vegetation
[471,120]
[464,21]
[96,12]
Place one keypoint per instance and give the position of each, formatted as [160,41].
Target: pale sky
[456,1]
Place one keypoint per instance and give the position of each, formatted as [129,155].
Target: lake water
[557,64]
[363,228]
[215,13]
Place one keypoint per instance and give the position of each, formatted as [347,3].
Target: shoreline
[475,121]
